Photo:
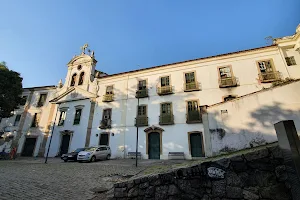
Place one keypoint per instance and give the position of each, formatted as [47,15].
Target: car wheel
[93,159]
[108,157]
[65,160]
[80,161]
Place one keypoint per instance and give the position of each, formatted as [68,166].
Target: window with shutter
[109,89]
[142,110]
[290,61]
[77,116]
[190,77]
[142,85]
[165,81]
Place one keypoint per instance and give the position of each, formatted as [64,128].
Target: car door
[103,152]
[98,153]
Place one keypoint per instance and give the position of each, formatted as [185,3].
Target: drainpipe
[51,135]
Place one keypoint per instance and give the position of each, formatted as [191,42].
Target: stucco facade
[88,93]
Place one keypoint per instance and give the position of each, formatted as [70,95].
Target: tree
[10,90]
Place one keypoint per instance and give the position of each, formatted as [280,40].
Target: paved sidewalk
[29,178]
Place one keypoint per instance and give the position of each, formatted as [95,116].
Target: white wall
[251,119]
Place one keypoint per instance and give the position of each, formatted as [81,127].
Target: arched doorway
[154,145]
[196,144]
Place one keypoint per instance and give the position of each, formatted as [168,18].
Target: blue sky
[38,38]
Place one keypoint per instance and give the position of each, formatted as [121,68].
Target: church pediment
[82,59]
[73,94]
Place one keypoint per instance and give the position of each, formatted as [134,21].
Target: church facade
[167,105]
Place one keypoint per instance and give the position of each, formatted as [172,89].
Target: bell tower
[81,69]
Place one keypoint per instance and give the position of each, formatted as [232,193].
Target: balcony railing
[268,76]
[193,86]
[164,90]
[108,98]
[141,121]
[193,117]
[227,82]
[166,119]
[105,123]
[141,93]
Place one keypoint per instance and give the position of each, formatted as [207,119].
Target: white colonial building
[170,105]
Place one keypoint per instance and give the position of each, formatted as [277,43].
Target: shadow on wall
[239,128]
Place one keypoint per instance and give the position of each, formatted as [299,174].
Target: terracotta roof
[242,51]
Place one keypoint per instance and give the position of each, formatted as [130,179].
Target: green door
[154,146]
[196,145]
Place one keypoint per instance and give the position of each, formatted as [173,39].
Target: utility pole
[46,159]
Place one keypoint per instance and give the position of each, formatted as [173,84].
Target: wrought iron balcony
[268,76]
[141,121]
[227,82]
[141,93]
[164,90]
[193,86]
[193,117]
[166,119]
[105,123]
[61,122]
[108,98]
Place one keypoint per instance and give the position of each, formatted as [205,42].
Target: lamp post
[137,131]
[46,159]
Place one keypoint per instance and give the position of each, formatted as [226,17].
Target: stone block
[239,166]
[133,192]
[173,190]
[120,192]
[264,178]
[150,191]
[263,153]
[250,195]
[275,192]
[225,162]
[234,192]
[137,181]
[144,185]
[141,192]
[130,184]
[144,179]
[276,152]
[206,197]
[161,192]
[237,159]
[215,173]
[266,166]
[233,179]
[247,178]
[218,188]
[281,173]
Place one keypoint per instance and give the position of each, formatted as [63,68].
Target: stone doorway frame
[153,129]
[64,132]
[202,141]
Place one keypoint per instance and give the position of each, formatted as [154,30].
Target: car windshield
[91,149]
[79,149]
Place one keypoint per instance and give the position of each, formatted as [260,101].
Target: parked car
[72,155]
[92,154]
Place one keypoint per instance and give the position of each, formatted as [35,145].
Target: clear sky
[38,38]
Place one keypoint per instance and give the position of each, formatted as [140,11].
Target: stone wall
[253,176]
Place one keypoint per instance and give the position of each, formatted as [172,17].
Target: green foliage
[10,90]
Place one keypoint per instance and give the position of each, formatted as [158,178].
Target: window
[109,89]
[290,60]
[142,85]
[42,100]
[142,110]
[102,148]
[35,120]
[81,78]
[165,81]
[225,72]
[265,66]
[62,118]
[193,106]
[23,101]
[73,80]
[106,114]
[77,116]
[17,120]
[190,77]
[166,108]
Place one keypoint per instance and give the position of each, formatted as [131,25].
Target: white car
[92,154]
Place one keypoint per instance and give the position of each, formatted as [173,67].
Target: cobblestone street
[32,179]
